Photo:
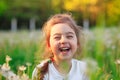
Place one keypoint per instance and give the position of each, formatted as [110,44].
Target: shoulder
[36,70]
[82,67]
[80,64]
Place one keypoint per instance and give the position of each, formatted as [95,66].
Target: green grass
[103,46]
[102,49]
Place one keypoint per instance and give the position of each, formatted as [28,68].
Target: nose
[63,40]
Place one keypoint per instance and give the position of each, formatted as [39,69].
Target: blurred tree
[24,10]
[88,8]
[109,13]
[3,7]
[106,12]
[113,12]
[28,8]
[58,6]
[101,12]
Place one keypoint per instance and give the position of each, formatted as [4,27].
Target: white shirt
[77,72]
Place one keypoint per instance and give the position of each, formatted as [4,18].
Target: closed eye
[70,36]
[57,38]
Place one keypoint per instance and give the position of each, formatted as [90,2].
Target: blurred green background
[21,37]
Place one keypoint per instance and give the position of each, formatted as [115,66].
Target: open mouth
[65,49]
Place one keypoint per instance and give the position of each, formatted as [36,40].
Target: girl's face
[63,41]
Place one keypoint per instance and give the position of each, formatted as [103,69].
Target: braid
[43,70]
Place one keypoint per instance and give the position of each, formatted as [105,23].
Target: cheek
[75,44]
[53,43]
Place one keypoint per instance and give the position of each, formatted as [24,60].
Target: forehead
[61,28]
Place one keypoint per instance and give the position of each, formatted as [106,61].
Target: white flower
[8,58]
[15,77]
[5,67]
[24,77]
[22,68]
[28,64]
[117,61]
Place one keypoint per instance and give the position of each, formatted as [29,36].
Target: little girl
[62,37]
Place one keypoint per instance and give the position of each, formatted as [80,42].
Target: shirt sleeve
[84,70]
[85,77]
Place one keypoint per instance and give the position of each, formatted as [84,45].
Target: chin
[65,58]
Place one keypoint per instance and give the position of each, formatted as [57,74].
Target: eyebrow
[65,33]
[69,33]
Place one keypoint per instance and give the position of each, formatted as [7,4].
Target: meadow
[101,51]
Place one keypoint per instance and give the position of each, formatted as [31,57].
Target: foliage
[3,7]
[21,46]
[101,51]
[99,12]
[106,11]
[29,8]
[102,46]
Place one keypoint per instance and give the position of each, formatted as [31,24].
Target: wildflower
[22,68]
[8,58]
[117,61]
[6,66]
[24,77]
[28,64]
[14,77]
[28,67]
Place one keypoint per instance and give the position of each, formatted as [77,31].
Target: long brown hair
[56,19]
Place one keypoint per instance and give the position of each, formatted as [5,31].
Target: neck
[63,66]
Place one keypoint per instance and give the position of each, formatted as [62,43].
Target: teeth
[64,48]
